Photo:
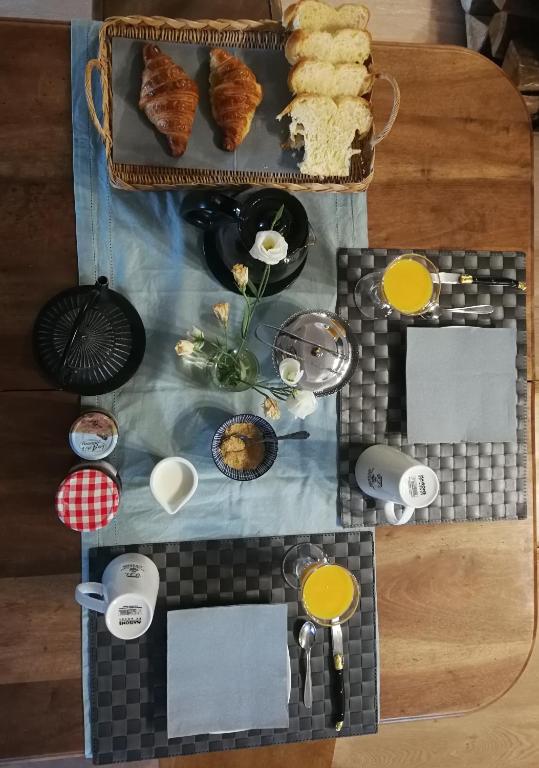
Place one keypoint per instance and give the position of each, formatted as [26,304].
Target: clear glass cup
[372,301]
[329,592]
[234,371]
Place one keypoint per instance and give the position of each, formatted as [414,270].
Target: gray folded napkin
[461,385]
[227,669]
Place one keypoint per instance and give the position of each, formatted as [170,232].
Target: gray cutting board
[135,141]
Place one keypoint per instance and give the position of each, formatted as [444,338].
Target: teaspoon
[307,635]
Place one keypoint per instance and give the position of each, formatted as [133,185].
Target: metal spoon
[477,309]
[292,436]
[307,636]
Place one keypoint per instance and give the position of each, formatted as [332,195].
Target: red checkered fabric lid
[87,499]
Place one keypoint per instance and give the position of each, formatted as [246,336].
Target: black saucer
[223,275]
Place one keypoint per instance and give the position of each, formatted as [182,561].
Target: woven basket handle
[394,109]
[90,66]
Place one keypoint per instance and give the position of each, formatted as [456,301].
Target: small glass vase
[234,371]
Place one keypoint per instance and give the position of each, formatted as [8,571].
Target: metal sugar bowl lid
[324,345]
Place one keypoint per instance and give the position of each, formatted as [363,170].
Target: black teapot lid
[259,211]
[89,339]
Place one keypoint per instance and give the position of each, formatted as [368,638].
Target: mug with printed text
[126,595]
[388,474]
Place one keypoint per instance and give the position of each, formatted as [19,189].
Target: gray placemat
[128,679]
[478,481]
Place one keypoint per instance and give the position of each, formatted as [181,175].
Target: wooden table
[456,602]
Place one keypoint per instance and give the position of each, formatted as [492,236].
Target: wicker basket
[242,33]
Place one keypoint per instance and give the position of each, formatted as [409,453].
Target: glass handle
[311,237]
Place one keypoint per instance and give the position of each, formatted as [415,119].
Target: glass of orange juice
[410,284]
[329,592]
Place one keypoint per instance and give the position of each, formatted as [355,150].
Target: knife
[463,279]
[338,664]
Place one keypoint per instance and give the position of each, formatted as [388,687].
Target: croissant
[169,98]
[234,94]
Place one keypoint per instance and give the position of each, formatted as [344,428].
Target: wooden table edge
[533,393]
[532,375]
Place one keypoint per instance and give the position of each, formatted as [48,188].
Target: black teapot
[230,227]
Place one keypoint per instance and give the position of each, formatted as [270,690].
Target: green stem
[240,348]
[279,395]
[246,316]
[213,344]
[260,391]
[264,282]
[253,306]
[277,217]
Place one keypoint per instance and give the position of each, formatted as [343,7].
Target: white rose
[269,247]
[301,404]
[197,337]
[290,371]
[196,334]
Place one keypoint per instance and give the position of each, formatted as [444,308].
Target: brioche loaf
[326,79]
[343,46]
[327,127]
[314,15]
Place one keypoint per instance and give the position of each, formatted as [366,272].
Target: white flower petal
[301,404]
[269,246]
[290,371]
[196,334]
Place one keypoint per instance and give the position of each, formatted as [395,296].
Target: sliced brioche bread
[343,46]
[326,79]
[314,15]
[327,127]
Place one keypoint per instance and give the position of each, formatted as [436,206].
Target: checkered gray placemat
[128,679]
[485,481]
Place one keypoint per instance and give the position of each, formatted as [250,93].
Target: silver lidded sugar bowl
[324,345]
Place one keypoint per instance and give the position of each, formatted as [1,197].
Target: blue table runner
[140,243]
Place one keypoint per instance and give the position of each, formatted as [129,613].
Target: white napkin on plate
[227,669]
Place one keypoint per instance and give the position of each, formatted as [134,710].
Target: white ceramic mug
[388,474]
[126,595]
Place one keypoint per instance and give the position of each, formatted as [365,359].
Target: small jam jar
[89,497]
[94,435]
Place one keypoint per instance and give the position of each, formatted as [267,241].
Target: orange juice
[407,286]
[328,591]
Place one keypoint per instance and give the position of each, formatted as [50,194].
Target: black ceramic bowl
[269,456]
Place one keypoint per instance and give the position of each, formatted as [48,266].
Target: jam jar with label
[94,435]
